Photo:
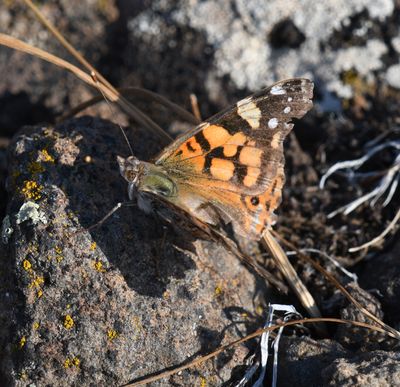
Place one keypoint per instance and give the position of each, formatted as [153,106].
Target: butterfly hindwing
[231,166]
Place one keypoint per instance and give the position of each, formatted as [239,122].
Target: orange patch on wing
[216,135]
[230,150]
[276,140]
[188,149]
[197,163]
[222,169]
[250,156]
[237,139]
[251,176]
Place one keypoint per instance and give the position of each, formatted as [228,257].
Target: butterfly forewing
[231,166]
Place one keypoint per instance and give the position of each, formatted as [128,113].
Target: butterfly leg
[111,212]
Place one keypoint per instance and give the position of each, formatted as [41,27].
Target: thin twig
[135,92]
[380,237]
[195,106]
[353,276]
[112,95]
[337,284]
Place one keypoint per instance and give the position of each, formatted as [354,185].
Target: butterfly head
[145,178]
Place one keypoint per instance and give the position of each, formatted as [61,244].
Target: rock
[306,362]
[375,369]
[385,281]
[117,303]
[357,337]
[302,360]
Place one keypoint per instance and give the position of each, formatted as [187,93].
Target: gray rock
[302,359]
[122,301]
[375,369]
[306,362]
[385,281]
[240,34]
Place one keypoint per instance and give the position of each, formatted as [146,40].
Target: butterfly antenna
[96,81]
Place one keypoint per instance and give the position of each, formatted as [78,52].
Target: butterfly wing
[231,166]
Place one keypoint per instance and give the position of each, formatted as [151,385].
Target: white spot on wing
[286,110]
[290,99]
[277,90]
[273,123]
[244,101]
[250,112]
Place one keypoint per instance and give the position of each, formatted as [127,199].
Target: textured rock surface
[386,280]
[306,362]
[375,369]
[128,299]
[120,302]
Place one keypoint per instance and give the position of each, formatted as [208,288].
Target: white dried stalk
[351,275]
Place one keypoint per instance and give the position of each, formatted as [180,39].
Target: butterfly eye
[130,175]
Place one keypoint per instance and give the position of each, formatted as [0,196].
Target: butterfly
[227,170]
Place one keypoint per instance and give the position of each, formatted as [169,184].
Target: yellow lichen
[99,267]
[68,322]
[59,256]
[37,281]
[203,381]
[74,362]
[112,334]
[67,363]
[27,265]
[46,156]
[35,167]
[35,325]
[93,246]
[218,290]
[259,310]
[22,342]
[31,190]
[39,293]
